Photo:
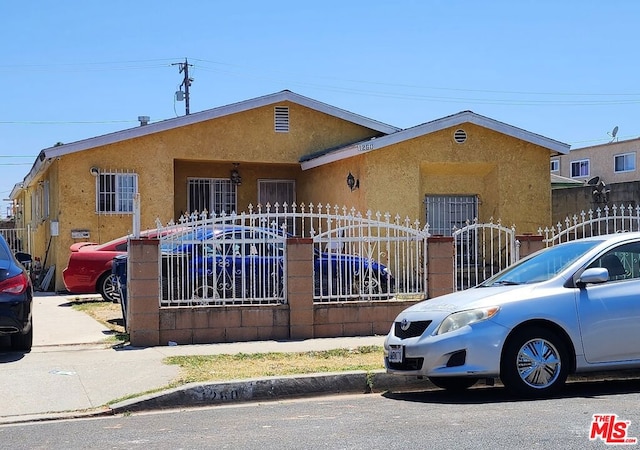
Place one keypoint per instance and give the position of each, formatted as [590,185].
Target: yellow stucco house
[284,147]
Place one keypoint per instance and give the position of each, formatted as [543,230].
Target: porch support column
[440,270]
[300,287]
[528,244]
[143,305]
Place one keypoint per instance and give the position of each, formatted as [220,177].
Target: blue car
[240,262]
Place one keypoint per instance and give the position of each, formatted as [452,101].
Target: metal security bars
[482,250]
[241,258]
[445,213]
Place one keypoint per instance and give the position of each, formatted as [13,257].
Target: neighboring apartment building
[615,162]
[606,175]
[285,147]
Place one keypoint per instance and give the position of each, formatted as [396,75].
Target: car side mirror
[593,275]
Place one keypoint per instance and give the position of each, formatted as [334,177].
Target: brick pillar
[528,244]
[143,306]
[300,287]
[440,253]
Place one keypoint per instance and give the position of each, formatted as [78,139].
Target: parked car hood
[471,298]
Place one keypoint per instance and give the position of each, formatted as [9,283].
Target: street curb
[271,388]
[298,386]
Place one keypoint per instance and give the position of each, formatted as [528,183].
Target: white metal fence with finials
[482,250]
[606,220]
[235,259]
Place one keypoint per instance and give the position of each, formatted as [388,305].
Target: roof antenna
[613,134]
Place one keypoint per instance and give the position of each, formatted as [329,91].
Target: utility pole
[186,82]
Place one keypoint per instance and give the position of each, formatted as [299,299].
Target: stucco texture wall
[163,162]
[506,173]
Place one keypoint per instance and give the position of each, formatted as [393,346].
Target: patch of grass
[107,313]
[243,365]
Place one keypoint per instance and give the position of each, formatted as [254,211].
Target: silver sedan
[571,308]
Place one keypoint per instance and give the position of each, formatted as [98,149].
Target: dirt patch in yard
[107,313]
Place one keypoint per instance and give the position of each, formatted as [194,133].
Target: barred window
[115,192]
[216,195]
[446,212]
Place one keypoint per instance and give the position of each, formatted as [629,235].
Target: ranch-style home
[284,148]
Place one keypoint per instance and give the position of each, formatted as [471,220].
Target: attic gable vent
[460,136]
[281,119]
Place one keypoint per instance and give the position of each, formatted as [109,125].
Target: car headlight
[460,319]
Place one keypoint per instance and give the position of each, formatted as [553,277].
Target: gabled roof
[246,105]
[169,124]
[321,158]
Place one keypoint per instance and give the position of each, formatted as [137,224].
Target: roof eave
[431,127]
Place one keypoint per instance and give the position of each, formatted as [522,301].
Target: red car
[89,268]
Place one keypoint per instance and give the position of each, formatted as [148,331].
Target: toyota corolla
[571,308]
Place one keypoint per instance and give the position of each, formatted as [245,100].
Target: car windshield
[542,266]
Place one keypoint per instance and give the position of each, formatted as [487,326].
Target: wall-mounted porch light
[352,182]
[235,177]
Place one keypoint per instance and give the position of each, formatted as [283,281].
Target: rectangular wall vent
[281,119]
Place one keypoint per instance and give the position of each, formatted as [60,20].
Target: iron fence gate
[482,250]
[241,258]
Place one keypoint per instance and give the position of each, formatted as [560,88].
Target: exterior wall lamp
[235,177]
[352,182]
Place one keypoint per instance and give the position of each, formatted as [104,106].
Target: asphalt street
[71,371]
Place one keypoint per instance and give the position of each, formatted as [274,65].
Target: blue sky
[76,69]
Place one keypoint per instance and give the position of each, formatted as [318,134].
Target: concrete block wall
[150,325]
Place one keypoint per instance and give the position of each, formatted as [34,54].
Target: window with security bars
[281,117]
[40,202]
[446,212]
[276,191]
[216,195]
[115,192]
[280,192]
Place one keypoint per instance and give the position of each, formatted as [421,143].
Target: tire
[108,288]
[22,342]
[454,384]
[535,363]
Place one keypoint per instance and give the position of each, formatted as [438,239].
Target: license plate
[396,354]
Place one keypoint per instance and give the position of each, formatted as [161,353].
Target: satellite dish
[613,133]
[593,181]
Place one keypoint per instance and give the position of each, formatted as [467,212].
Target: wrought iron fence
[209,259]
[482,250]
[606,220]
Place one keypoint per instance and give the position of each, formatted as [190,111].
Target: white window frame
[117,195]
[40,202]
[555,165]
[631,156]
[218,195]
[581,163]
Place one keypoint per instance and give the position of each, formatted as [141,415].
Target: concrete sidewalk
[71,370]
